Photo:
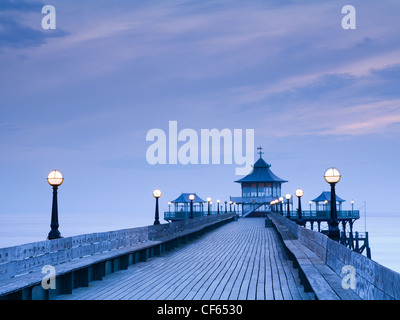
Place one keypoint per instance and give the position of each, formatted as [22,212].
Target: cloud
[20,25]
[334,119]
[374,117]
[358,71]
[20,5]
[238,58]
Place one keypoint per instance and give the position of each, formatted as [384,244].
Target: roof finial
[260,152]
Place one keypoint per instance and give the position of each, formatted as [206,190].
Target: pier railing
[321,215]
[182,215]
[324,215]
[373,281]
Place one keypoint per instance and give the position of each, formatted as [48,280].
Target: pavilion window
[246,192]
[250,192]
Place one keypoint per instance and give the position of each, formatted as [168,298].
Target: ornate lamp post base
[334,231]
[54,234]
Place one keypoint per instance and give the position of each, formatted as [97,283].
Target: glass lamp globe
[288,196]
[156,193]
[208,199]
[218,201]
[281,199]
[332,175]
[299,193]
[191,197]
[55,178]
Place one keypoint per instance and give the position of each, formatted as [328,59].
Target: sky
[82,98]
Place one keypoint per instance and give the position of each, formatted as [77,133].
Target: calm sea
[383,229]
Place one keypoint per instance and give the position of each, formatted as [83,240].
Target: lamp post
[218,201]
[169,206]
[288,196]
[209,202]
[299,193]
[352,206]
[55,178]
[226,206]
[333,176]
[230,206]
[281,204]
[310,202]
[156,194]
[191,198]
[234,207]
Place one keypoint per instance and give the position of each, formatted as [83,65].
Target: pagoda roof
[184,198]
[261,173]
[326,195]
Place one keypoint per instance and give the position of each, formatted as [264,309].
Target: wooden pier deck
[242,260]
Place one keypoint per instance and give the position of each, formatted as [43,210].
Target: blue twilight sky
[81,98]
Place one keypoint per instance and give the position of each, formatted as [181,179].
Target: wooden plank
[201,269]
[269,292]
[230,243]
[186,272]
[243,247]
[294,286]
[286,295]
[252,287]
[276,285]
[239,291]
[260,285]
[241,259]
[235,250]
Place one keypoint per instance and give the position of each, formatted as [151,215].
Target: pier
[241,260]
[217,257]
[256,250]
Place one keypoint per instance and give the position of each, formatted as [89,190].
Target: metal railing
[180,215]
[324,215]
